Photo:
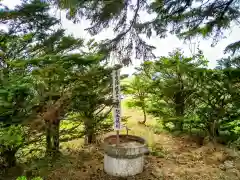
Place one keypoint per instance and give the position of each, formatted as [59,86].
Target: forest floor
[172,158]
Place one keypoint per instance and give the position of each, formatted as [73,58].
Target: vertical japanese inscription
[117,99]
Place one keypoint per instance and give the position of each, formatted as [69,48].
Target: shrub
[11,139]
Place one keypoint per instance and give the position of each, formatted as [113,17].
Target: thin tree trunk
[180,106]
[179,125]
[90,135]
[9,157]
[190,128]
[48,138]
[90,138]
[216,128]
[55,137]
[144,115]
[179,114]
[217,132]
[211,130]
[89,131]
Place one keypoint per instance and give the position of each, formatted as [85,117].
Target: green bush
[11,139]
[25,178]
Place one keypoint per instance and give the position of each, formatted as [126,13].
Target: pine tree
[138,88]
[37,68]
[172,88]
[25,24]
[187,18]
[92,98]
[190,18]
[116,15]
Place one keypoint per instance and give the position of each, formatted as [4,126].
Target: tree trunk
[89,131]
[216,128]
[180,105]
[212,130]
[9,158]
[52,138]
[56,127]
[144,115]
[179,125]
[90,134]
[90,138]
[190,128]
[217,132]
[48,138]
[179,109]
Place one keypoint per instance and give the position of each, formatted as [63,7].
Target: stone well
[126,159]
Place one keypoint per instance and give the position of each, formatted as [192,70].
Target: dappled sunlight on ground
[171,158]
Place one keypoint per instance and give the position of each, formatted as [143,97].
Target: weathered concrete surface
[127,159]
[123,167]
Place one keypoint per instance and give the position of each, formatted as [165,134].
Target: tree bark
[179,109]
[52,138]
[90,138]
[48,138]
[9,157]
[179,104]
[56,127]
[211,130]
[144,116]
[217,132]
[90,135]
[89,131]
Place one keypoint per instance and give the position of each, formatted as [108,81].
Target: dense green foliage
[184,92]
[138,88]
[55,87]
[24,178]
[40,76]
[93,100]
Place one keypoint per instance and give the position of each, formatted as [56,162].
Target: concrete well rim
[125,152]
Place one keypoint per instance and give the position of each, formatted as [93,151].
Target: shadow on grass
[84,164]
[12,173]
[68,161]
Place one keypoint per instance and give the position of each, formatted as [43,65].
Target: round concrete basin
[125,159]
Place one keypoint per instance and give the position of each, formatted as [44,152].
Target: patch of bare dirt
[88,165]
[184,160]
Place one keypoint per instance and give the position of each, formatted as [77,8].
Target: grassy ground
[171,158]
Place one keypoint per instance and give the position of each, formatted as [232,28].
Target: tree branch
[70,130]
[133,22]
[101,109]
[225,8]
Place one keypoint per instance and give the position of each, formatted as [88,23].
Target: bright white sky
[163,46]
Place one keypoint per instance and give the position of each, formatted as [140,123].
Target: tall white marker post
[117,100]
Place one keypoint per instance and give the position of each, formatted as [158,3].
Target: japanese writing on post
[116,98]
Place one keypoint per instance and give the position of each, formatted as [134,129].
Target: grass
[171,157]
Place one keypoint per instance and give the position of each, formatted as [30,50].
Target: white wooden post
[117,100]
